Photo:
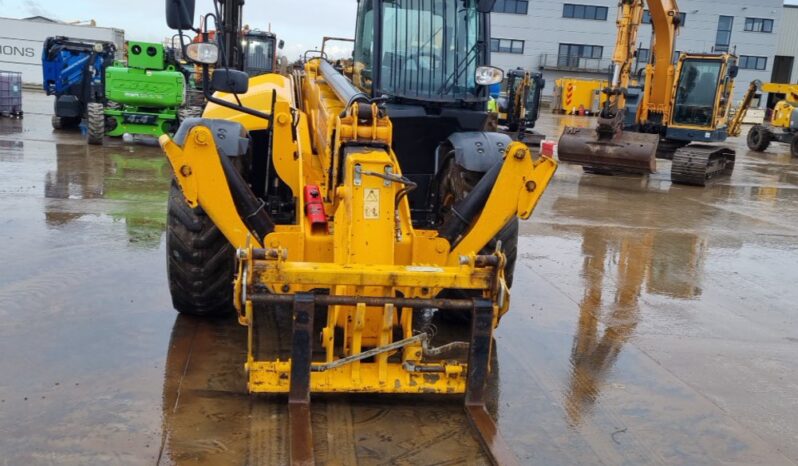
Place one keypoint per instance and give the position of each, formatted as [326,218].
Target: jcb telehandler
[355,201]
[683,106]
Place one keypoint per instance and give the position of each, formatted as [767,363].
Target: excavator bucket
[625,152]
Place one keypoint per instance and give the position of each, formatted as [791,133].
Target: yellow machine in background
[519,106]
[783,125]
[573,94]
[357,201]
[686,106]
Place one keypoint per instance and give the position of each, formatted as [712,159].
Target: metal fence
[572,63]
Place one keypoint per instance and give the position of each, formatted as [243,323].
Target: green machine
[144,97]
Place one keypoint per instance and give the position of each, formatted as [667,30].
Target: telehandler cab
[355,201]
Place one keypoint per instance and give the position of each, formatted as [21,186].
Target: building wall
[788,38]
[543,29]
[21,43]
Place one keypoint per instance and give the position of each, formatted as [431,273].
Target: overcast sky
[301,23]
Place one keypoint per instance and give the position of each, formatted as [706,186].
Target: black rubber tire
[794,145]
[189,112]
[63,122]
[96,122]
[200,262]
[456,178]
[457,183]
[759,138]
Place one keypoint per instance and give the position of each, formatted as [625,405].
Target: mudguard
[478,151]
[230,137]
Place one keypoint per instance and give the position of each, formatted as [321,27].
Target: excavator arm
[609,148]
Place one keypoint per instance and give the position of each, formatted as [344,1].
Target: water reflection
[10,125]
[617,265]
[209,418]
[136,182]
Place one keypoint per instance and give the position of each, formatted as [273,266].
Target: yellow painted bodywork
[575,93]
[783,110]
[370,247]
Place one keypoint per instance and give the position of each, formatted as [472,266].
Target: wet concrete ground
[650,324]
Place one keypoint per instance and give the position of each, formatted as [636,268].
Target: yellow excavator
[685,106]
[358,202]
[783,125]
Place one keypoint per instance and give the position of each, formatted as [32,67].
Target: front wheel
[455,184]
[96,122]
[758,138]
[794,145]
[200,262]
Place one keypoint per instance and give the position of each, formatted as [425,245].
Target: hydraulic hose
[250,208]
[466,211]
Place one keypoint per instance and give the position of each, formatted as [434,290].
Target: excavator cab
[702,97]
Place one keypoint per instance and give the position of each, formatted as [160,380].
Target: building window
[507,46]
[643,56]
[570,10]
[581,51]
[571,54]
[518,7]
[758,25]
[723,37]
[647,18]
[753,63]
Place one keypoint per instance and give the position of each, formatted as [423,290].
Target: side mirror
[180,14]
[231,81]
[734,70]
[485,6]
[281,44]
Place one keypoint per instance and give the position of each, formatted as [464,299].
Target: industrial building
[577,38]
[21,42]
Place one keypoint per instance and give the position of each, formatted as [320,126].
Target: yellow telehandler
[355,201]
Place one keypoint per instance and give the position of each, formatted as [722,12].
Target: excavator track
[697,164]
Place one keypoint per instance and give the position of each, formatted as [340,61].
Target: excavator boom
[609,148]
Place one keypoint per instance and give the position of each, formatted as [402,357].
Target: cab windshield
[259,55]
[429,49]
[697,91]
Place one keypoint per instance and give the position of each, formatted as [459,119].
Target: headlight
[487,75]
[98,47]
[203,53]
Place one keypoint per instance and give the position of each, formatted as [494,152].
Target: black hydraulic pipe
[250,207]
[465,212]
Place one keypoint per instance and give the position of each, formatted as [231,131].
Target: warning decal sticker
[371,203]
